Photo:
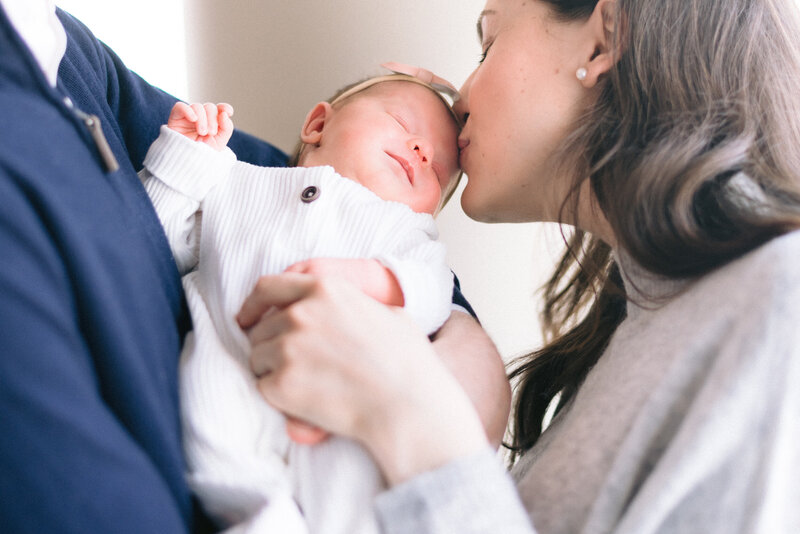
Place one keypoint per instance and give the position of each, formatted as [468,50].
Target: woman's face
[521,100]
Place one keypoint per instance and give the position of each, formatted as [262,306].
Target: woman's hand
[337,358]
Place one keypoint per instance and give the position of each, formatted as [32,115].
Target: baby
[374,164]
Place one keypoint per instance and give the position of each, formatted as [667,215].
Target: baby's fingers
[211,119]
[226,108]
[202,120]
[225,123]
[182,111]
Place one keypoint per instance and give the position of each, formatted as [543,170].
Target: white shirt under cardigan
[228,223]
[689,423]
[39,27]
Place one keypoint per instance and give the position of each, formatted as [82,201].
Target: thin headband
[446,92]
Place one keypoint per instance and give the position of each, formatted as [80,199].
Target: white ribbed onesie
[228,223]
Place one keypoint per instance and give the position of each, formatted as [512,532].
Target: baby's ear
[315,123]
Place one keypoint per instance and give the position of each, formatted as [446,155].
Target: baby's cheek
[429,200]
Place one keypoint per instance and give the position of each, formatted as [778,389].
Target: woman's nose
[423,150]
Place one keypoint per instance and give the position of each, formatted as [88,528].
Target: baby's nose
[423,150]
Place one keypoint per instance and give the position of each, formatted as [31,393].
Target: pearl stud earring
[581,74]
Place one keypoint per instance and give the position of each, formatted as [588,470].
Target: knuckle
[326,286]
[266,386]
[261,360]
[284,379]
[299,267]
[314,269]
[297,316]
[258,367]
[283,347]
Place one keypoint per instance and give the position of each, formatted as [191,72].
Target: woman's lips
[406,166]
[462,148]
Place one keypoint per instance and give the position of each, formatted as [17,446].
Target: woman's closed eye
[485,52]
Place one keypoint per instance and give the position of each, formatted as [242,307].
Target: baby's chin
[429,204]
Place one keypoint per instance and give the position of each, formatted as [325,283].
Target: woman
[666,132]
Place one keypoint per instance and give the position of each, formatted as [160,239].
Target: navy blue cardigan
[92,313]
[91,306]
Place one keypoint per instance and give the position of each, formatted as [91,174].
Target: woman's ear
[315,122]
[604,34]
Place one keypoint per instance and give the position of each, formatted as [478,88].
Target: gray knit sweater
[690,422]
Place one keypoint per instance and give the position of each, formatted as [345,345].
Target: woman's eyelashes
[485,52]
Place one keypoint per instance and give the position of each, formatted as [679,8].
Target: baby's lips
[406,166]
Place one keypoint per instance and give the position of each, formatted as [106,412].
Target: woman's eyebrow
[483,14]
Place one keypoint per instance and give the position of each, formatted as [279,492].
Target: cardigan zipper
[92,123]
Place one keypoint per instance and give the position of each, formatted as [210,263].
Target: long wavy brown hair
[692,151]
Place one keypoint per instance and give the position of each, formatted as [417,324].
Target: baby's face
[396,139]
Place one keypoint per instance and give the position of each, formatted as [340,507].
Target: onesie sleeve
[418,261]
[178,174]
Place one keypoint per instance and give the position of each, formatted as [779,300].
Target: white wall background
[273,59]
[149,35]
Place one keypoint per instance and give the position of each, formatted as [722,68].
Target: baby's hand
[207,123]
[368,275]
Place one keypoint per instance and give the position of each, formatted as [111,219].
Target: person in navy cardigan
[91,306]
[92,314]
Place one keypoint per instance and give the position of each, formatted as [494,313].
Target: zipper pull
[92,123]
